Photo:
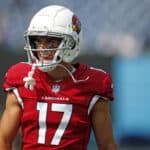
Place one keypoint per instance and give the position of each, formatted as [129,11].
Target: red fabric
[72,98]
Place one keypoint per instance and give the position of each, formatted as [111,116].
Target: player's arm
[9,122]
[102,126]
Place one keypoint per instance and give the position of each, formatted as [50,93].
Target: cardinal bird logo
[76,24]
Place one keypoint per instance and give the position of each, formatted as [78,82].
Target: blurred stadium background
[116,38]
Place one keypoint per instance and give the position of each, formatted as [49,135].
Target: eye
[49,42]
[54,42]
[37,41]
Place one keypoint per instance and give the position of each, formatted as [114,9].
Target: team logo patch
[76,24]
[55,88]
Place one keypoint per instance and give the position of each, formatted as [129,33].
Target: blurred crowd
[13,16]
[109,27]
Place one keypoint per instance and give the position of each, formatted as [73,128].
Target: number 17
[66,109]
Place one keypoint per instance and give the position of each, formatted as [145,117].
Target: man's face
[42,42]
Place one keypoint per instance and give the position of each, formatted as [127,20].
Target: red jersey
[56,115]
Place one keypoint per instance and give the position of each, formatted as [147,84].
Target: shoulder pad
[102,83]
[15,74]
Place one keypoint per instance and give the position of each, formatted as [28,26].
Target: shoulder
[95,74]
[20,65]
[99,80]
[101,76]
[17,70]
[15,74]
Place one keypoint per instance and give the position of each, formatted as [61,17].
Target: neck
[59,73]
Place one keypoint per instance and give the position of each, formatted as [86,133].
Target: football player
[56,103]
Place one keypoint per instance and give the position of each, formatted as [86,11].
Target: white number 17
[66,109]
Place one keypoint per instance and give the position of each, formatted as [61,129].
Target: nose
[43,45]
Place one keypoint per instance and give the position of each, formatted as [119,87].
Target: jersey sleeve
[107,87]
[14,77]
[101,84]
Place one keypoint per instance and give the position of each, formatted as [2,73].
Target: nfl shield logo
[55,88]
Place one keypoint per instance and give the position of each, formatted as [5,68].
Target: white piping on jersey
[15,90]
[93,102]
[101,70]
[9,89]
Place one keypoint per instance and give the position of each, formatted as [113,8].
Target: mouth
[45,55]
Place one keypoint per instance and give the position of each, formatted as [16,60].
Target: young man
[56,103]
